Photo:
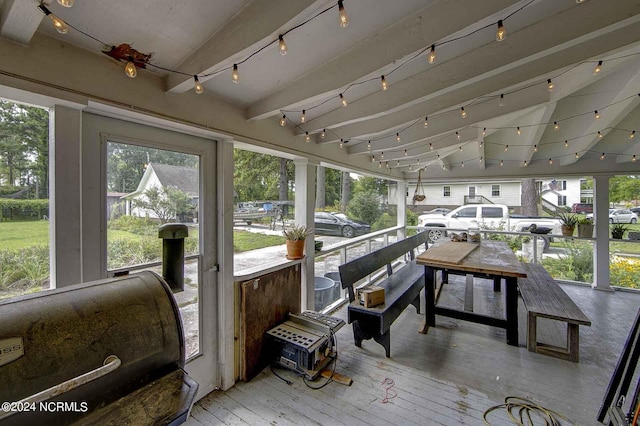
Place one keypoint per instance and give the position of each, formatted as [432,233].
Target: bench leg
[416,303]
[445,276]
[511,284]
[532,332]
[573,342]
[359,334]
[385,341]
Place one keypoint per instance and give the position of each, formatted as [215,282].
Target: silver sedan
[620,216]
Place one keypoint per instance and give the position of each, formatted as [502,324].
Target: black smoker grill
[124,332]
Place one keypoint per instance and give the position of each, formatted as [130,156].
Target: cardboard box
[371,296]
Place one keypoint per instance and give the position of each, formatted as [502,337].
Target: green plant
[296,232]
[583,220]
[568,219]
[618,230]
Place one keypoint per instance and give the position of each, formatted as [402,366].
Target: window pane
[24,199]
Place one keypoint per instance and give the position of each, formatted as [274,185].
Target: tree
[367,183]
[258,176]
[166,202]
[624,188]
[320,188]
[365,206]
[346,191]
[529,197]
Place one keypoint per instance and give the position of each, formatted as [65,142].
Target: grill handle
[111,363]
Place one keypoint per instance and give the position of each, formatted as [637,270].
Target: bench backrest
[353,271]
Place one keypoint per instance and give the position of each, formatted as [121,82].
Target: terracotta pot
[567,230]
[295,249]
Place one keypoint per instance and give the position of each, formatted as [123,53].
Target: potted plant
[585,227]
[296,235]
[568,222]
[618,230]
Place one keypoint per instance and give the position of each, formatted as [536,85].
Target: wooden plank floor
[449,376]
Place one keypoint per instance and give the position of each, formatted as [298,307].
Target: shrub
[365,206]
[385,221]
[135,225]
[25,270]
[576,263]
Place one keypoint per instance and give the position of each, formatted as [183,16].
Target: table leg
[430,295]
[511,284]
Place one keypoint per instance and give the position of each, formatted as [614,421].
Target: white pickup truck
[485,216]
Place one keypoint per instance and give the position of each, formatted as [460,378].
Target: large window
[24,199]
[495,190]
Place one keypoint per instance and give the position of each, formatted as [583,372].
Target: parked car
[620,216]
[582,208]
[339,224]
[636,210]
[438,210]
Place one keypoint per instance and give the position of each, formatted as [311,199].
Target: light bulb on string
[480,159]
[566,143]
[307,138]
[501,101]
[380,165]
[577,156]
[550,161]
[235,77]
[383,83]
[632,134]
[518,131]
[525,163]
[633,159]
[506,148]
[463,113]
[130,69]
[481,143]
[341,143]
[580,1]
[369,145]
[501,163]
[598,68]
[460,147]
[556,126]
[398,163]
[535,148]
[430,146]
[405,153]
[426,122]
[66,3]
[501,34]
[343,100]
[397,137]
[409,166]
[342,14]
[550,85]
[382,154]
[484,133]
[387,164]
[462,164]
[197,85]
[283,120]
[602,156]
[596,114]
[432,54]
[282,46]
[58,23]
[303,116]
[373,158]
[323,134]
[418,161]
[599,134]
[458,135]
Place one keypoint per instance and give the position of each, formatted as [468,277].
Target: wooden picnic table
[487,259]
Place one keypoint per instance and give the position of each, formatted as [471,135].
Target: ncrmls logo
[10,349]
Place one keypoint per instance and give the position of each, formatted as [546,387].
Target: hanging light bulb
[373,158]
[307,138]
[602,156]
[283,120]
[460,147]
[550,85]
[197,86]
[344,19]
[341,143]
[130,69]
[426,122]
[535,148]
[380,165]
[481,143]
[397,137]
[343,100]
[596,114]
[633,159]
[506,148]
[462,164]
[632,134]
[501,102]
[58,23]
[484,133]
[369,145]
[598,68]
[382,154]
[66,3]
[458,135]
[550,161]
[599,134]
[577,156]
[518,131]
[418,161]
[481,158]
[566,143]
[323,134]
[409,166]
[432,54]
[387,164]
[398,163]
[383,83]
[443,167]
[430,146]
[580,1]
[282,46]
[405,153]
[463,113]
[556,126]
[235,77]
[501,34]
[501,163]
[303,116]
[525,163]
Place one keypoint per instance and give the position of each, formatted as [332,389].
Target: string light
[556,126]
[409,166]
[432,54]
[566,143]
[535,148]
[501,163]
[484,133]
[550,85]
[343,100]
[397,162]
[197,86]
[596,114]
[373,158]
[397,137]
[481,143]
[633,159]
[525,164]
[458,135]
[580,1]
[462,164]
[405,153]
[369,145]
[307,137]
[235,77]
[431,147]
[58,23]
[501,102]
[283,120]
[383,83]
[577,156]
[506,148]
[460,147]
[387,164]
[341,143]
[66,3]
[282,46]
[602,156]
[550,161]
[501,34]
[382,154]
[632,134]
[380,165]
[463,113]
[518,131]
[303,116]
[599,134]
[344,19]
[323,134]
[130,69]
[598,68]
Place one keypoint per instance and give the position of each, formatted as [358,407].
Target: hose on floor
[521,410]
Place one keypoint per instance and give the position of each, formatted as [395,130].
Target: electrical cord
[524,409]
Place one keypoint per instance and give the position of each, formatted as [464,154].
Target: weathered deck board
[449,376]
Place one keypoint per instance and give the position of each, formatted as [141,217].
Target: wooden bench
[544,298]
[402,287]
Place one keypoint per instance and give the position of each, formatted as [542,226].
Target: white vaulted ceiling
[561,40]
